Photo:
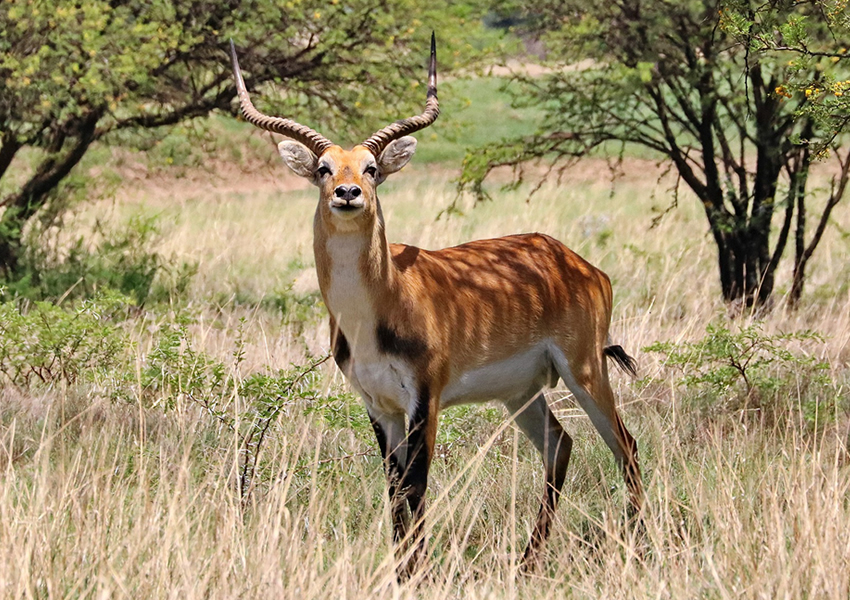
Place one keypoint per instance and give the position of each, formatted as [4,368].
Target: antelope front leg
[389,431]
[420,451]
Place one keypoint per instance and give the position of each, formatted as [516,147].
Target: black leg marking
[420,451]
[394,477]
[555,477]
[555,446]
[390,342]
[416,474]
[342,352]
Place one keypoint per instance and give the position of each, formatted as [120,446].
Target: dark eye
[323,170]
[371,171]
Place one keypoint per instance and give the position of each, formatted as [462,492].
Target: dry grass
[108,499]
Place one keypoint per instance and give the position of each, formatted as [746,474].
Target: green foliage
[42,344]
[298,310]
[174,370]
[686,83]
[746,364]
[342,410]
[120,259]
[814,39]
[248,405]
[74,74]
[63,59]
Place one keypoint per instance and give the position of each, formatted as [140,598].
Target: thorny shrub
[748,368]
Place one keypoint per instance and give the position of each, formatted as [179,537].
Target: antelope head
[347,179]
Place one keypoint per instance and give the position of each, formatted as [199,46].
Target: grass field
[131,453]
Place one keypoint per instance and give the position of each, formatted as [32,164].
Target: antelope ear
[397,154]
[299,159]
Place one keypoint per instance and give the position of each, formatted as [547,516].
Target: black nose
[347,192]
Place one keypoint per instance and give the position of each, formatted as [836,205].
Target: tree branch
[48,175]
[675,152]
[835,197]
[8,149]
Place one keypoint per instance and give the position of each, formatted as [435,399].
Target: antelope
[415,331]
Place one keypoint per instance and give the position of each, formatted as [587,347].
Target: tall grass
[121,498]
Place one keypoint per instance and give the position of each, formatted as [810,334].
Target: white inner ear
[395,156]
[299,159]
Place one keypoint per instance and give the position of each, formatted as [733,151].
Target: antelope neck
[355,271]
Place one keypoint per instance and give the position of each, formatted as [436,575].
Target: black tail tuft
[623,360]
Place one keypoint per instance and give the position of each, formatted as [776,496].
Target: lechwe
[417,330]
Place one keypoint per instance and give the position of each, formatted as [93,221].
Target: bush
[246,405]
[44,345]
[121,260]
[747,368]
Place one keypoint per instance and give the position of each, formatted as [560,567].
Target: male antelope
[417,330]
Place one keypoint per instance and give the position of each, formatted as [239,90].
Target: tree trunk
[10,252]
[745,277]
[36,192]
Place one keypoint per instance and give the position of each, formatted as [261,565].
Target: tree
[696,83]
[808,45]
[73,73]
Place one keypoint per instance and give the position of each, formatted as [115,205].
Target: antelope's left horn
[379,140]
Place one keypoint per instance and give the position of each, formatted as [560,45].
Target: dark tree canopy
[739,97]
[74,73]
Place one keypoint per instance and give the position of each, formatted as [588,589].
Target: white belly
[521,375]
[388,384]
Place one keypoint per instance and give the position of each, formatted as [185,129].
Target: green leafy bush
[247,405]
[747,365]
[42,344]
[121,259]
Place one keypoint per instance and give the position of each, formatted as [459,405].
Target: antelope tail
[623,360]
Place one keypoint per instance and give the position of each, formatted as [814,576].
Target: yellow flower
[782,91]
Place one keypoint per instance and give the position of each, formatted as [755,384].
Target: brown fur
[449,312]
